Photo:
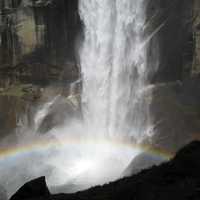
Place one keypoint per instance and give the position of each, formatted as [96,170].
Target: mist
[69,159]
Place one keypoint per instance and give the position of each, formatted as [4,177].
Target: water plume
[114,68]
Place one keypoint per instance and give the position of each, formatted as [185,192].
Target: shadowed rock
[32,190]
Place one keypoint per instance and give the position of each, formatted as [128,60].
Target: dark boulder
[32,190]
[188,157]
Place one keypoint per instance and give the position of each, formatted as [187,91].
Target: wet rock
[64,110]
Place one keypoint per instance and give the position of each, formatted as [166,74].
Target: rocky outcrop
[176,179]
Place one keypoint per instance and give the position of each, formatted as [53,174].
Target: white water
[114,68]
[42,113]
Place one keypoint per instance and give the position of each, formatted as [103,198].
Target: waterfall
[79,154]
[114,67]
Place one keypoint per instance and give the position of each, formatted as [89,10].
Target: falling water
[43,112]
[114,67]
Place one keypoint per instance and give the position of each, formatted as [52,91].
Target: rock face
[38,39]
[176,179]
[171,49]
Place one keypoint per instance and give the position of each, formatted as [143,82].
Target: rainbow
[43,145]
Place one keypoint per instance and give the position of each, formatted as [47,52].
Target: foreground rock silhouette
[177,179]
[32,190]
